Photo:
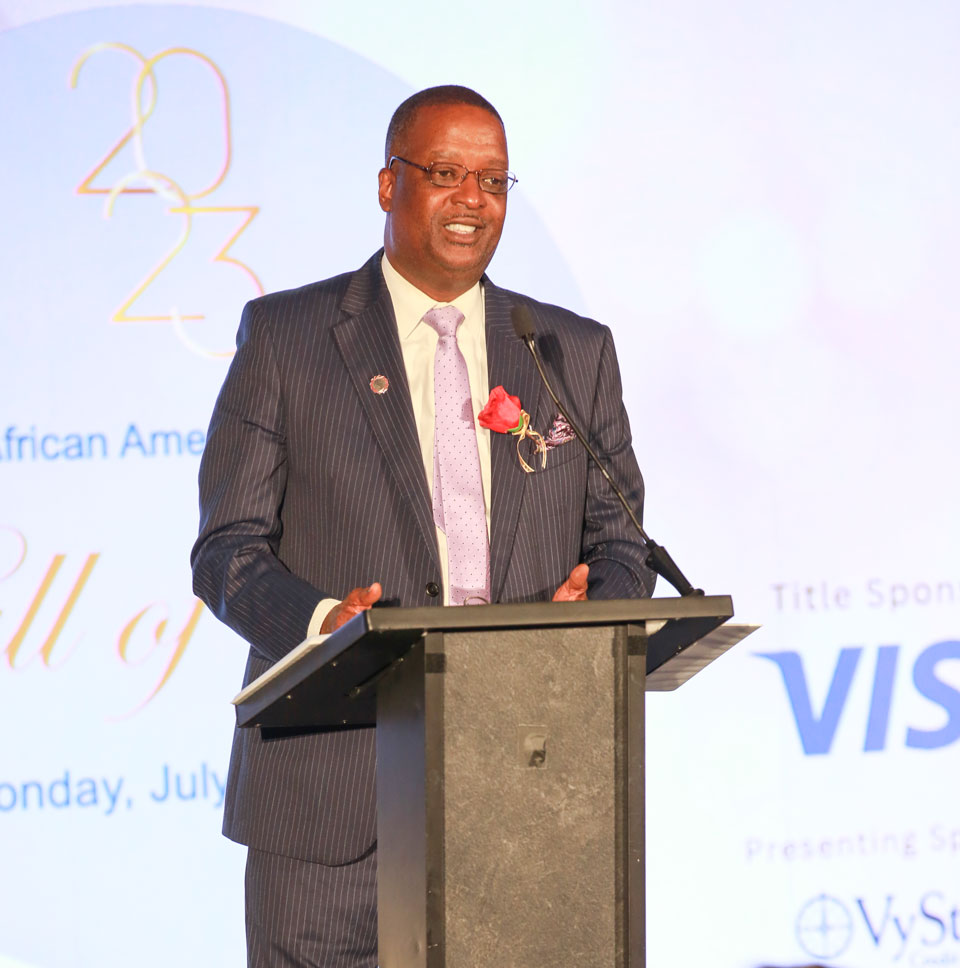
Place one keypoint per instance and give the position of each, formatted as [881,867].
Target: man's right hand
[357,601]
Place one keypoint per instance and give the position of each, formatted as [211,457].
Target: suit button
[432,589]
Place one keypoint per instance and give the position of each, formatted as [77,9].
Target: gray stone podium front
[509,768]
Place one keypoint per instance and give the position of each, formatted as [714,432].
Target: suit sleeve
[611,545]
[243,475]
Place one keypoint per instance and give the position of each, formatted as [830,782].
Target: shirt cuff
[319,614]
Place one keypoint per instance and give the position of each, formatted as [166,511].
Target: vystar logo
[922,930]
[824,927]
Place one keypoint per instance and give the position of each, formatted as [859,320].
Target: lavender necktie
[458,508]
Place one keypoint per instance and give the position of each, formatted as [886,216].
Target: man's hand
[359,600]
[574,589]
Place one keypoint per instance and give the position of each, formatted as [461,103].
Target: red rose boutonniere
[503,414]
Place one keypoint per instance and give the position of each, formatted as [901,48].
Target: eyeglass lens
[494,180]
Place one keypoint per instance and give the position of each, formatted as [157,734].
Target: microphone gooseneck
[658,558]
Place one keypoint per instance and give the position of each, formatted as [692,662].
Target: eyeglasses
[444,174]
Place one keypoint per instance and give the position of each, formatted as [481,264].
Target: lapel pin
[380,384]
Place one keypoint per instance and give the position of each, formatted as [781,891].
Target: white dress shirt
[418,343]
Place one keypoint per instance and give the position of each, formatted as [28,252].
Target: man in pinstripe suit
[315,495]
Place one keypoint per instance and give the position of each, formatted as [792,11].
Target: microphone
[658,558]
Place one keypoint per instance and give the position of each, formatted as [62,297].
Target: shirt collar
[410,304]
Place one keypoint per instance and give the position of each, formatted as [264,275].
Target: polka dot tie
[458,508]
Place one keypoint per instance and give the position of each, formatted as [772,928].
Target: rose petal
[501,413]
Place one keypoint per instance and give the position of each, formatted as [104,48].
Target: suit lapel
[508,365]
[368,342]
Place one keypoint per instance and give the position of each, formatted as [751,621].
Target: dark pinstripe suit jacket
[311,484]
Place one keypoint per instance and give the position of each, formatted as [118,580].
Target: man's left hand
[574,589]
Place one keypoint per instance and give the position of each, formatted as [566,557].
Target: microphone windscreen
[522,322]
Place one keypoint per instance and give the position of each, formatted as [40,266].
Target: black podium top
[336,678]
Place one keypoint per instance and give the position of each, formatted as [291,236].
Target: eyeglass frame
[511,177]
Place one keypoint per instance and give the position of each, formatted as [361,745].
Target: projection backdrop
[758,197]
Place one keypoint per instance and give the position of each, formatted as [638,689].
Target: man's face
[442,239]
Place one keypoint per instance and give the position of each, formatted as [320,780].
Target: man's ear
[387,180]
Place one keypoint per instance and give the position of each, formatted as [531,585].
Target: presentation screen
[759,199]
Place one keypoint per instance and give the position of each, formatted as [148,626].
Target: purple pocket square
[559,433]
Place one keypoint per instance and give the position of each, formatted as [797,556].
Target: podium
[510,767]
